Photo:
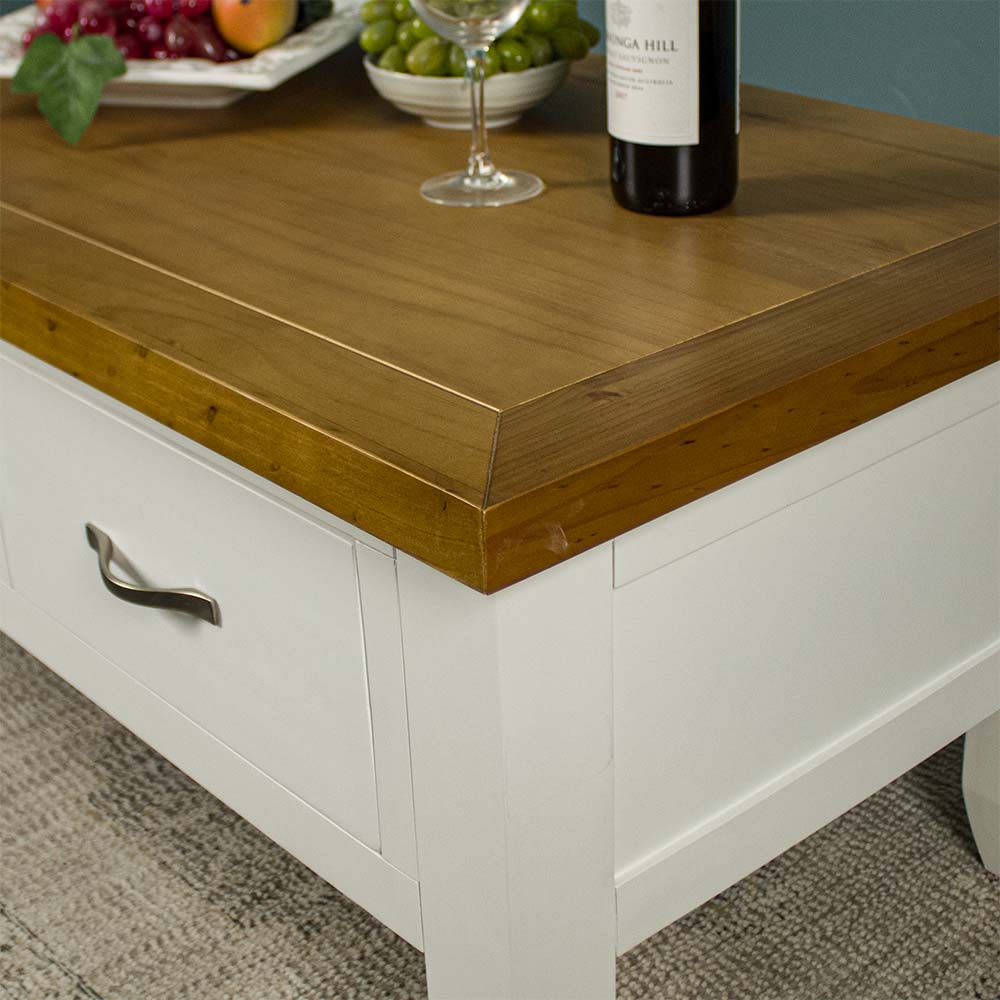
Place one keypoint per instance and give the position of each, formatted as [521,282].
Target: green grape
[402,11]
[541,16]
[394,58]
[421,31]
[591,32]
[378,36]
[539,47]
[405,38]
[567,13]
[514,55]
[375,10]
[456,60]
[429,57]
[519,28]
[491,62]
[569,43]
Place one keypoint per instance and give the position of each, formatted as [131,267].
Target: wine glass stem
[480,166]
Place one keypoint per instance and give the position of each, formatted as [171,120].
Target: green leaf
[38,64]
[68,79]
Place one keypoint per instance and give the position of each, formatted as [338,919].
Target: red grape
[61,14]
[130,47]
[159,52]
[96,19]
[127,23]
[178,36]
[150,31]
[206,43]
[162,10]
[194,8]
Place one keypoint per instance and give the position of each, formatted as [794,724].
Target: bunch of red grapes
[142,29]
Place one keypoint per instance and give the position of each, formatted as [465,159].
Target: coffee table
[533,576]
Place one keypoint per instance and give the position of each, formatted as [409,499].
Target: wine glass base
[505,187]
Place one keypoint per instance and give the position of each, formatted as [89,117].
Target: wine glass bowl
[474,25]
[471,23]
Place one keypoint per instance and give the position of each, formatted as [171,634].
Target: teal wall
[931,59]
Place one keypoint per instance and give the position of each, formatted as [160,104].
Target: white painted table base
[568,765]
[511,734]
[981,785]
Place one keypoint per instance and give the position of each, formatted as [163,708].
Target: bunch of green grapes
[548,30]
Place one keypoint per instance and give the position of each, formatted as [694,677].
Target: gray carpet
[123,880]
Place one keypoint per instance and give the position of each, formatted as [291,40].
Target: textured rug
[123,880]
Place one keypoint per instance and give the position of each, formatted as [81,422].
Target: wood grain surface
[493,392]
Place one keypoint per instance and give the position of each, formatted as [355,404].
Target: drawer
[282,682]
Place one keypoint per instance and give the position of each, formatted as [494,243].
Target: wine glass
[474,25]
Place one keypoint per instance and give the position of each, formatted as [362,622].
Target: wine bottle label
[652,69]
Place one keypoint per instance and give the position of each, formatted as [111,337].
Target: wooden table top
[494,391]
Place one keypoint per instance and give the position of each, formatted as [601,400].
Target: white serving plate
[199,83]
[443,101]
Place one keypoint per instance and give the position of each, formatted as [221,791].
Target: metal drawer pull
[191,602]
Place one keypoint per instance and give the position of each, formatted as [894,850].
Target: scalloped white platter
[199,83]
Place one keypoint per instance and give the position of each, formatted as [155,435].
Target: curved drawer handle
[191,602]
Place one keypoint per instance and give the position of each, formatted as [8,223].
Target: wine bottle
[673,104]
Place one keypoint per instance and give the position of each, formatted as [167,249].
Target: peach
[251,25]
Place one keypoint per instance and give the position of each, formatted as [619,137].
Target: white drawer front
[739,664]
[282,681]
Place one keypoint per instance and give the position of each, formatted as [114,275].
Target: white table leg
[981,785]
[510,713]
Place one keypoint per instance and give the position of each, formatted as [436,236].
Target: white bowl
[443,101]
